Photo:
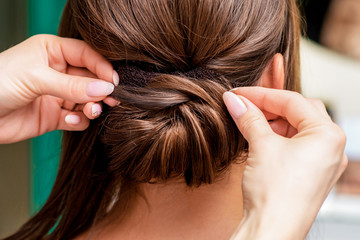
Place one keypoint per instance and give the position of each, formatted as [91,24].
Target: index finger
[290,105]
[77,53]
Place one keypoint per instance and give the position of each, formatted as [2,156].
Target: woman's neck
[175,211]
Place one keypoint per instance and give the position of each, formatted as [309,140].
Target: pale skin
[310,155]
[41,81]
[292,165]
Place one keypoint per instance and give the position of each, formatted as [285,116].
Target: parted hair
[174,125]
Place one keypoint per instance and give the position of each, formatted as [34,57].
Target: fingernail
[99,89]
[95,110]
[235,106]
[72,119]
[116,78]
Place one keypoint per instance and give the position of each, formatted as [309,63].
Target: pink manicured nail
[96,110]
[72,119]
[99,89]
[116,78]
[235,106]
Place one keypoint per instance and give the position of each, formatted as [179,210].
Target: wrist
[248,227]
[284,221]
[276,221]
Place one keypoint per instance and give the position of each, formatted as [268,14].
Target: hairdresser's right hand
[292,164]
[48,83]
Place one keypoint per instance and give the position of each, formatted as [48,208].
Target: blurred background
[28,168]
[330,53]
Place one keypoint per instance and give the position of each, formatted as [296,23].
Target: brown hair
[174,125]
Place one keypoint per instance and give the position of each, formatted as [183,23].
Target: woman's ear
[273,75]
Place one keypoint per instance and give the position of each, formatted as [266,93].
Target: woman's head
[175,60]
[172,124]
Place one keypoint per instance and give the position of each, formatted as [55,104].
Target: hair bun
[172,127]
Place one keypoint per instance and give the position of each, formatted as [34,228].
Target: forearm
[278,222]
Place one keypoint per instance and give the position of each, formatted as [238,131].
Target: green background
[44,17]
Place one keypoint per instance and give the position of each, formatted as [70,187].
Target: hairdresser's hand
[41,81]
[292,164]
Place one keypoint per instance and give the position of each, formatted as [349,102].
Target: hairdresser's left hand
[42,81]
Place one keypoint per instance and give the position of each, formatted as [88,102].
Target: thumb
[248,118]
[73,88]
